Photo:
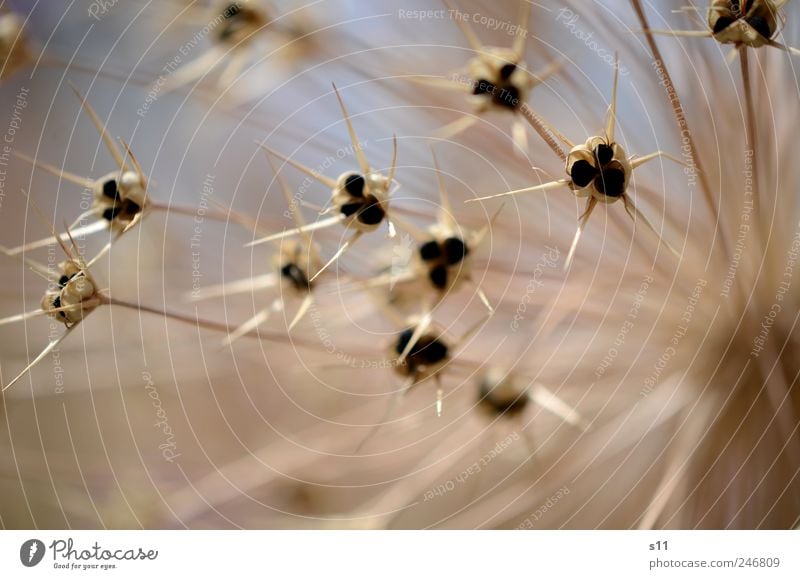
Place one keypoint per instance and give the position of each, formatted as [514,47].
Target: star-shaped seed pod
[241,33]
[507,394]
[442,257]
[293,265]
[420,351]
[742,23]
[496,79]
[120,198]
[359,200]
[598,170]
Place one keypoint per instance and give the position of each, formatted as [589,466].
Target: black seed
[110,189]
[354,184]
[722,23]
[483,86]
[500,406]
[296,276]
[582,173]
[507,97]
[351,208]
[231,10]
[603,153]
[455,250]
[438,277]
[430,250]
[430,350]
[760,25]
[63,280]
[427,351]
[402,340]
[507,71]
[372,214]
[131,207]
[110,213]
[611,182]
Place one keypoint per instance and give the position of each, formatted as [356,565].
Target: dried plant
[438,363]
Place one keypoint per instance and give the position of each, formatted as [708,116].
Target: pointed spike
[789,49]
[193,70]
[484,299]
[639,161]
[362,159]
[552,403]
[466,29]
[545,187]
[58,238]
[136,166]
[89,229]
[287,192]
[456,127]
[317,225]
[418,234]
[520,138]
[439,82]
[249,284]
[612,111]
[638,215]
[481,234]
[49,348]
[522,31]
[685,33]
[22,317]
[446,213]
[345,246]
[308,301]
[393,166]
[421,327]
[61,173]
[247,326]
[327,181]
[111,146]
[590,205]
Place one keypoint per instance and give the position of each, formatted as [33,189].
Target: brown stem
[751,124]
[683,124]
[210,324]
[540,128]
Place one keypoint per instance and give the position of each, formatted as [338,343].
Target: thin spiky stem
[683,126]
[538,126]
[751,124]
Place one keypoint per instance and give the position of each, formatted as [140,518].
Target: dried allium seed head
[363,199]
[239,23]
[425,358]
[119,198]
[735,22]
[599,169]
[501,393]
[498,81]
[72,302]
[445,258]
[294,264]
